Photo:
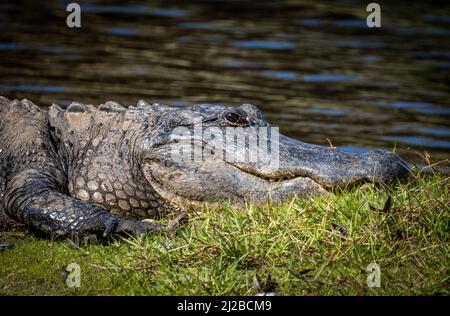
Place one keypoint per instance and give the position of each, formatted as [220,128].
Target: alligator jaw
[328,168]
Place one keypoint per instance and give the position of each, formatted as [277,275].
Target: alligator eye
[236,119]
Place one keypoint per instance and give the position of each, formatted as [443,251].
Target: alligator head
[210,153]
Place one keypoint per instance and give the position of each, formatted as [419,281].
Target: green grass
[319,246]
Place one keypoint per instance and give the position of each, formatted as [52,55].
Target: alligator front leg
[33,169]
[31,198]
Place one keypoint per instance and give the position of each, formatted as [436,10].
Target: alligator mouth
[279,186]
[274,177]
[328,168]
[325,184]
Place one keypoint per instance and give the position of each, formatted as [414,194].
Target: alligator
[107,170]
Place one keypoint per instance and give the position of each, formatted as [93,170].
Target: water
[315,70]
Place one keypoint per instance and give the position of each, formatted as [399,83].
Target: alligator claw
[137,228]
[179,222]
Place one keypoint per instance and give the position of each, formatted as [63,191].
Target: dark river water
[314,68]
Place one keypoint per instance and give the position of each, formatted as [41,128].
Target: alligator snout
[330,167]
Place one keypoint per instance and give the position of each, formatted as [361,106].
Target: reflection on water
[315,70]
[122,31]
[32,88]
[132,9]
[265,45]
[328,78]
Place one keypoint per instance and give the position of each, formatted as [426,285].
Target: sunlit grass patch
[316,246]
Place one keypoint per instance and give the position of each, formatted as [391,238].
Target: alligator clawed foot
[127,226]
[173,227]
[179,222]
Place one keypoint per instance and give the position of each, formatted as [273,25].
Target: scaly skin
[96,171]
[48,186]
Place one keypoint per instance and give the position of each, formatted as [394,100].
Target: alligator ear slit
[253,109]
